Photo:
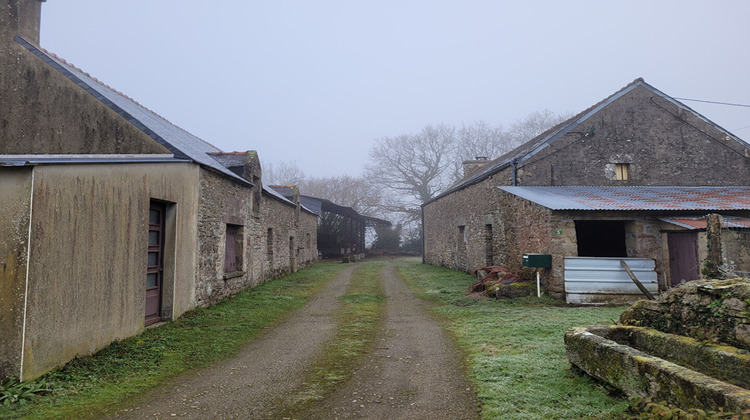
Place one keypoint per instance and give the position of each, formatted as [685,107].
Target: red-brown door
[683,257]
[155,269]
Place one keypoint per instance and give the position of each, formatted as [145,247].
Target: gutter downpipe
[515,171]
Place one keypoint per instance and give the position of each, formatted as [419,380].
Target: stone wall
[662,143]
[714,310]
[735,244]
[519,227]
[222,202]
[447,244]
[293,243]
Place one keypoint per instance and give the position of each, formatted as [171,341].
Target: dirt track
[412,373]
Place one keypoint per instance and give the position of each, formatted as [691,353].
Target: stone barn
[112,217]
[637,137]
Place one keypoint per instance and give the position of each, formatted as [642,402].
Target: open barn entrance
[601,238]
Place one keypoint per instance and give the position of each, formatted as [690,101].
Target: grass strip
[93,385]
[358,321]
[514,348]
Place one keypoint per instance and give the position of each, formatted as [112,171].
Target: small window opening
[601,238]
[622,171]
[269,245]
[488,254]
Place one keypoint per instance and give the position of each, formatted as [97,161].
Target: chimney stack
[472,165]
[20,17]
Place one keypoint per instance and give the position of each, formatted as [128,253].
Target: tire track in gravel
[413,372]
[251,383]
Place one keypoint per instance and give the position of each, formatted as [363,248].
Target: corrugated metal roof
[177,140]
[636,198]
[693,223]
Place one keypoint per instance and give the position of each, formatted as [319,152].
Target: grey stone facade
[221,202]
[657,142]
[291,245]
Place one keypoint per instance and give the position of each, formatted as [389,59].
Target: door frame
[155,254]
[680,259]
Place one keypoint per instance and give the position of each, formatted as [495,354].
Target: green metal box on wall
[537,260]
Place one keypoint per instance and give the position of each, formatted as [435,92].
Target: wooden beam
[636,281]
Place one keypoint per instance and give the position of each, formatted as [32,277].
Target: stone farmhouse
[633,178]
[111,217]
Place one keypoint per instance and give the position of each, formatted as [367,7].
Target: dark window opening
[601,238]
[269,245]
[488,254]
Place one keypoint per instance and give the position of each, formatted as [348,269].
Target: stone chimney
[472,165]
[20,17]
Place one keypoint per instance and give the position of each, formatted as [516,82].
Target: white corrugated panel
[604,280]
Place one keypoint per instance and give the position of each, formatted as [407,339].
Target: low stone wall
[712,310]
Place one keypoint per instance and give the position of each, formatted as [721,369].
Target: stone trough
[648,363]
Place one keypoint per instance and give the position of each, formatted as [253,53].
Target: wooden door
[683,257]
[155,266]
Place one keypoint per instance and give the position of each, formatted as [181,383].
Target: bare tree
[535,124]
[479,140]
[345,190]
[282,173]
[412,168]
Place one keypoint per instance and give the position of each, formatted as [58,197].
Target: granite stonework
[475,224]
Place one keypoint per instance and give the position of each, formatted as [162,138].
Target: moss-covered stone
[626,358]
[514,290]
[711,310]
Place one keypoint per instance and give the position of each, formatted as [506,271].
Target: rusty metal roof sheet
[636,198]
[694,223]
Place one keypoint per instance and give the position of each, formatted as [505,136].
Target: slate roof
[231,159]
[275,194]
[636,198]
[694,223]
[527,150]
[181,143]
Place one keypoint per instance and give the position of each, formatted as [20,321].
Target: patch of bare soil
[414,371]
[250,384]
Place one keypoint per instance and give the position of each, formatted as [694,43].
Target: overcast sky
[317,81]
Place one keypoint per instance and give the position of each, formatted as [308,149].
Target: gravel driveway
[414,371]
